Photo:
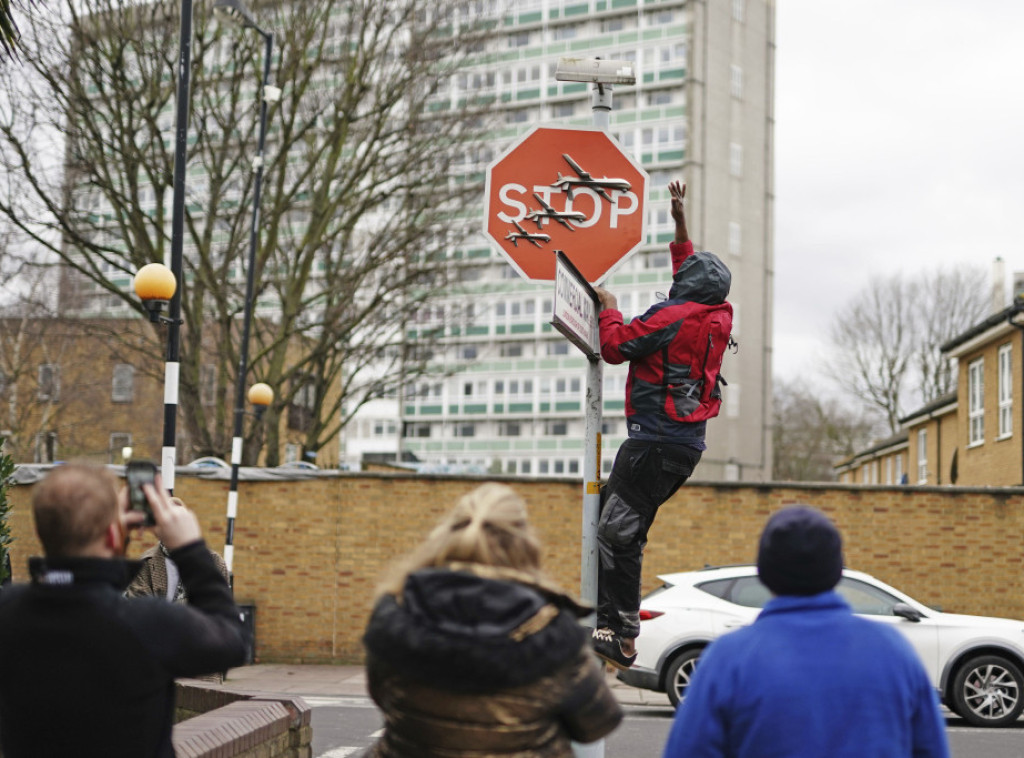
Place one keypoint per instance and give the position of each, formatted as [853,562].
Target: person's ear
[115,539]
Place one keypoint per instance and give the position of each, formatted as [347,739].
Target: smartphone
[139,473]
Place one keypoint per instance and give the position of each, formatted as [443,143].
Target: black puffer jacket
[480,661]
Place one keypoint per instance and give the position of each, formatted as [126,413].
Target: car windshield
[750,593]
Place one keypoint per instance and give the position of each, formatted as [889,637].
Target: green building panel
[528,94]
[410,410]
[615,405]
[518,445]
[431,410]
[545,407]
[521,407]
[481,446]
[623,3]
[499,329]
[670,155]
[646,277]
[476,331]
[672,73]
[533,17]
[522,329]
[567,405]
[475,408]
[498,408]
[547,444]
[577,10]
[648,77]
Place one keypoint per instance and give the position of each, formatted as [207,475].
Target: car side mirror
[905,611]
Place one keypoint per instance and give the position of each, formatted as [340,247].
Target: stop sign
[570,189]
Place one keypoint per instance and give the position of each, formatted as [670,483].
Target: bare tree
[811,432]
[886,339]
[361,200]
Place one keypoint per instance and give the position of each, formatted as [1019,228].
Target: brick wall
[308,553]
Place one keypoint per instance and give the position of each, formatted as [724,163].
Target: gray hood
[702,278]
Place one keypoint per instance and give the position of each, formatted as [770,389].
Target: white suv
[975,662]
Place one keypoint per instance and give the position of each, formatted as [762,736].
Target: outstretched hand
[678,191]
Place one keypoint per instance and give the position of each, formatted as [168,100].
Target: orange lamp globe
[154,281]
[261,394]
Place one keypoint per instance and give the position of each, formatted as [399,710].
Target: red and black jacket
[675,351]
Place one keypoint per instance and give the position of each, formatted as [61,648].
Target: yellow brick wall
[309,553]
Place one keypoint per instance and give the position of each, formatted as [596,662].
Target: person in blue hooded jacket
[808,678]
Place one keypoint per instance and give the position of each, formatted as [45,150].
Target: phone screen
[139,473]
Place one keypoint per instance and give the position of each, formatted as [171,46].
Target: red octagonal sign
[573,190]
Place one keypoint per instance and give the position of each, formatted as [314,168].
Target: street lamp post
[169,454]
[237,12]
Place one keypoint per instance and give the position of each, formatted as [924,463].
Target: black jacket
[86,672]
[481,661]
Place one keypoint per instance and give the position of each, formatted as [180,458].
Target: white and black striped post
[168,454]
[235,11]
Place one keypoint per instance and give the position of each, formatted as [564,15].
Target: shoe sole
[616,664]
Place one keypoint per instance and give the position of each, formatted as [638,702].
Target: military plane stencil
[584,179]
[562,217]
[522,234]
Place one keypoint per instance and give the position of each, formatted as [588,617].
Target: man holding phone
[84,670]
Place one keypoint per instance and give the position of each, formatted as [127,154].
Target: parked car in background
[974,662]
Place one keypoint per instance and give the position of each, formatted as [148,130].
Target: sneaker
[608,647]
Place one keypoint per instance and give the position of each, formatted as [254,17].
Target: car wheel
[989,691]
[679,673]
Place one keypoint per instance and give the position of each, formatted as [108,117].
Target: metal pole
[168,456]
[250,275]
[602,106]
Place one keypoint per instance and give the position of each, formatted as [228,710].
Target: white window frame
[49,382]
[976,402]
[735,159]
[922,456]
[1005,391]
[736,81]
[122,384]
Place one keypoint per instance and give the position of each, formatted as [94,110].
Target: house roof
[895,442]
[983,326]
[929,408]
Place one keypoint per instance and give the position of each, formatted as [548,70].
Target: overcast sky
[899,146]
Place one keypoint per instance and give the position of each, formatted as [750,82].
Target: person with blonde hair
[472,651]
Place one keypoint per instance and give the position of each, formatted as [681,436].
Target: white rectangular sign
[575,307]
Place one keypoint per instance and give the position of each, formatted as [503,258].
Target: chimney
[999,285]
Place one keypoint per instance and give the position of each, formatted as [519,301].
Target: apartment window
[512,351]
[46,447]
[123,389]
[300,409]
[509,429]
[736,80]
[556,428]
[976,402]
[118,442]
[898,472]
[735,159]
[1005,391]
[888,470]
[735,238]
[525,467]
[465,430]
[922,456]
[558,348]
[468,352]
[49,382]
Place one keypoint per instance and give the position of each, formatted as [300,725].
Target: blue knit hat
[801,552]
